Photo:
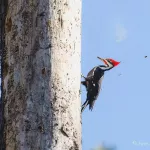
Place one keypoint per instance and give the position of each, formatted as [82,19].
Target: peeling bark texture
[3,7]
[41,75]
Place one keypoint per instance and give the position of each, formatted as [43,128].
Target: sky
[118,29]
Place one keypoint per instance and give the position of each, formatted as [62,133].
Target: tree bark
[3,7]
[41,75]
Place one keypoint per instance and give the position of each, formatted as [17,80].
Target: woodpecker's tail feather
[84,106]
[91,105]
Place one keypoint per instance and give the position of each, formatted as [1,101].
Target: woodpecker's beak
[100,58]
[103,60]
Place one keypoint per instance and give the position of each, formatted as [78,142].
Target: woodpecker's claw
[83,76]
[80,92]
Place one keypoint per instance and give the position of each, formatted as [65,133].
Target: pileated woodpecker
[94,79]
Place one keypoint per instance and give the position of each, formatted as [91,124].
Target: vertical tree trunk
[41,75]
[3,7]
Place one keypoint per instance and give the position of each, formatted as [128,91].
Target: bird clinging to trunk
[94,79]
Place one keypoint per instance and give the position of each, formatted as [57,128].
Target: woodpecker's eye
[109,61]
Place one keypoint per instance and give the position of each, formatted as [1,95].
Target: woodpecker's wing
[100,84]
[91,72]
[93,93]
[96,73]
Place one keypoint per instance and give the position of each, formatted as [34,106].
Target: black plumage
[93,81]
[93,85]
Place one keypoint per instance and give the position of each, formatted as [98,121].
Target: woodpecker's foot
[80,92]
[82,76]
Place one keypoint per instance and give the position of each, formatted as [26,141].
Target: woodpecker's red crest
[109,60]
[114,62]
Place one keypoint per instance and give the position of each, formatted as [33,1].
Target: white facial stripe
[109,64]
[103,67]
[107,67]
[94,70]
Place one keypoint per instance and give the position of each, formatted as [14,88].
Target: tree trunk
[3,4]
[41,75]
